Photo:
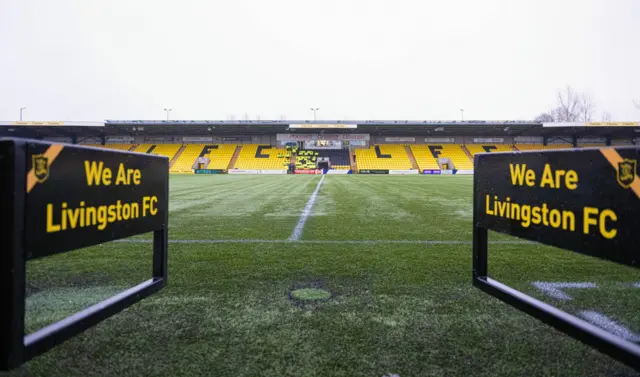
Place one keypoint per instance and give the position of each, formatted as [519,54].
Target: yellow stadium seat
[454,152]
[219,156]
[247,159]
[488,148]
[120,147]
[591,145]
[168,150]
[392,157]
[184,163]
[424,157]
[537,147]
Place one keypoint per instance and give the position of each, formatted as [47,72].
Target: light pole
[22,108]
[314,111]
[462,114]
[167,110]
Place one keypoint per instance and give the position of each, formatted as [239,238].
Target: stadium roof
[374,127]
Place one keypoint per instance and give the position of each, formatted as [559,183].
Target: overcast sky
[359,59]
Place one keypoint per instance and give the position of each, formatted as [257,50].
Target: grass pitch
[398,305]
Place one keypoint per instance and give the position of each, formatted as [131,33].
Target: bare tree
[587,107]
[637,103]
[572,107]
[545,118]
[569,106]
[606,116]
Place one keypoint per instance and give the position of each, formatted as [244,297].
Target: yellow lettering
[102,217]
[554,218]
[51,227]
[526,216]
[547,177]
[63,213]
[555,181]
[535,214]
[520,174]
[136,176]
[112,213]
[97,174]
[588,221]
[121,178]
[73,215]
[605,216]
[607,233]
[571,180]
[568,221]
[128,176]
[148,203]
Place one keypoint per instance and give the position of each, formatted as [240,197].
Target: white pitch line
[334,242]
[297,232]
[555,289]
[610,325]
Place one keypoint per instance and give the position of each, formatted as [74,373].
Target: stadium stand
[457,156]
[143,148]
[168,150]
[424,157]
[488,148]
[219,158]
[306,159]
[187,159]
[535,147]
[590,145]
[339,158]
[261,157]
[120,147]
[384,156]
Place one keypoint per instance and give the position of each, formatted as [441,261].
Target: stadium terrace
[330,146]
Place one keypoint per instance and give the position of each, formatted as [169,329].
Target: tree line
[573,106]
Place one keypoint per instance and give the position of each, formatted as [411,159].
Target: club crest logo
[626,172]
[40,167]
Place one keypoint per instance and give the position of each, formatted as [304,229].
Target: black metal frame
[616,347]
[15,347]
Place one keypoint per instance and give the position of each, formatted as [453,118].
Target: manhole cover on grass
[310,294]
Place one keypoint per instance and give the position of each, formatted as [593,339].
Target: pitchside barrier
[586,201]
[56,198]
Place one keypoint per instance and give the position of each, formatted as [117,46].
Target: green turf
[310,294]
[396,308]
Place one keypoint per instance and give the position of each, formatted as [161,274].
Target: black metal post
[12,262]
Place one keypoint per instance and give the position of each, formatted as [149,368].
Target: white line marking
[554,289]
[336,242]
[297,232]
[609,325]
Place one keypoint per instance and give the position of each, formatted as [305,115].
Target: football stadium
[334,248]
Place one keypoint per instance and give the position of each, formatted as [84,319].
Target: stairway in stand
[412,158]
[236,153]
[354,166]
[177,155]
[466,151]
